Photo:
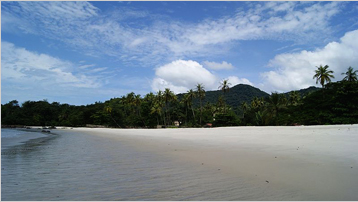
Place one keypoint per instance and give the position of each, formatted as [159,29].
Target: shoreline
[319,161]
[27,139]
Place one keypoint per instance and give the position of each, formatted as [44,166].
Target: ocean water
[13,137]
[69,165]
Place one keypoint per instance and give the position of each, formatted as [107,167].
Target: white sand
[319,162]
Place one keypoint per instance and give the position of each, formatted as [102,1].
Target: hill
[241,93]
[234,97]
[305,91]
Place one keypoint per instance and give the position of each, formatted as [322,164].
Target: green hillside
[333,104]
[236,95]
[304,92]
[241,93]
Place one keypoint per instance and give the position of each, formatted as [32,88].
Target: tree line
[334,103]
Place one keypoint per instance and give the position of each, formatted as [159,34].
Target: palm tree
[137,102]
[220,104]
[108,110]
[168,96]
[350,75]
[323,75]
[156,109]
[294,98]
[149,97]
[225,87]
[130,100]
[158,106]
[275,103]
[186,101]
[257,103]
[201,94]
[191,95]
[244,108]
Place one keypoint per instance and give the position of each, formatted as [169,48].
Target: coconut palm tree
[294,98]
[323,75]
[275,103]
[149,97]
[158,106]
[220,104]
[225,87]
[200,92]
[137,102]
[257,103]
[156,109]
[187,102]
[108,110]
[129,100]
[191,95]
[244,107]
[350,75]
[168,97]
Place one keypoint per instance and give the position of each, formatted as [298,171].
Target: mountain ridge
[241,93]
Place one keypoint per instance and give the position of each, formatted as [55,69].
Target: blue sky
[83,52]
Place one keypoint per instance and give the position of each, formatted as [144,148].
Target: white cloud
[25,68]
[274,20]
[234,80]
[87,28]
[218,66]
[161,84]
[182,75]
[27,75]
[294,71]
[86,66]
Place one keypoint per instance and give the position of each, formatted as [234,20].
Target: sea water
[13,137]
[67,165]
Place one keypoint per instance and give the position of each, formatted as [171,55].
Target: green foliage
[336,104]
[351,75]
[323,75]
[242,105]
[226,119]
[233,98]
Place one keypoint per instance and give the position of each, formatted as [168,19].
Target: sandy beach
[317,162]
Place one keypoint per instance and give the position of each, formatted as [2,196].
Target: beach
[319,162]
[228,163]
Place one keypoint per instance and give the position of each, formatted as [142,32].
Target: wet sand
[313,162]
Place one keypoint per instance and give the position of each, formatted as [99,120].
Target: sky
[85,52]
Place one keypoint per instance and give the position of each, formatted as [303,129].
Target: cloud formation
[182,75]
[295,70]
[22,65]
[27,73]
[86,28]
[218,66]
[234,80]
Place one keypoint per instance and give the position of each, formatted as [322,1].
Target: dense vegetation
[334,103]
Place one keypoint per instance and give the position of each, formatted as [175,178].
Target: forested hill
[235,96]
[151,110]
[305,91]
[241,93]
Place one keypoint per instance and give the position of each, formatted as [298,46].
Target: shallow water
[75,166]
[11,137]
